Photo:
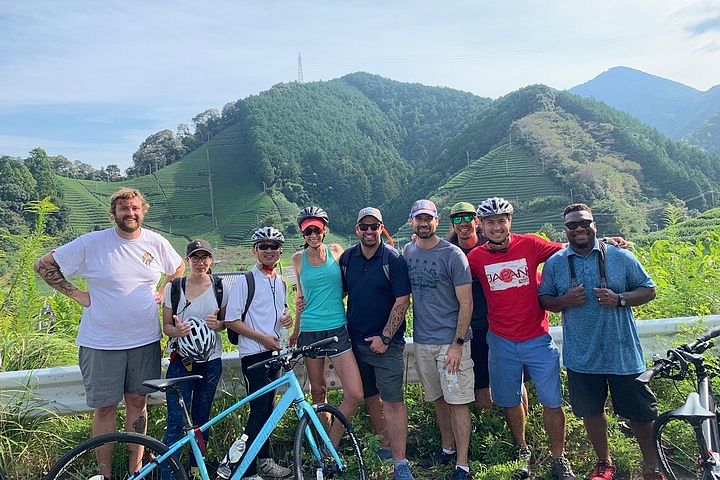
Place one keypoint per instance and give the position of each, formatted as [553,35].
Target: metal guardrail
[60,389]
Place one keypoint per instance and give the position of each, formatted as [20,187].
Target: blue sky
[92,79]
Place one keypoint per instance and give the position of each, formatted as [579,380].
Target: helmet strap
[267,269]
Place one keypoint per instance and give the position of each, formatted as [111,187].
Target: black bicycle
[686,438]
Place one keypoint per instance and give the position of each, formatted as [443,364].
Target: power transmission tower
[300,74]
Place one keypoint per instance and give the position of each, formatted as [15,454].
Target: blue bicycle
[127,455]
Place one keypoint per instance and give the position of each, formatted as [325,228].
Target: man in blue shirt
[594,286]
[378,287]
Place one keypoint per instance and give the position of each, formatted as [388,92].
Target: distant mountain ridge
[363,140]
[677,110]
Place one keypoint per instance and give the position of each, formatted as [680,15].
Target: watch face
[386,340]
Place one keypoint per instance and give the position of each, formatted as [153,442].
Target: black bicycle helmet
[494,206]
[267,234]
[199,344]
[312,212]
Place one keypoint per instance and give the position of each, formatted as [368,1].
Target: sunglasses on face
[271,246]
[581,223]
[310,230]
[469,217]
[372,226]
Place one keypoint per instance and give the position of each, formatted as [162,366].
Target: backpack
[250,280]
[179,283]
[345,259]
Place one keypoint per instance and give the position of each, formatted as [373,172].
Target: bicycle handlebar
[293,353]
[678,357]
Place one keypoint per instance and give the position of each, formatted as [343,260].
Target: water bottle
[451,379]
[284,337]
[232,457]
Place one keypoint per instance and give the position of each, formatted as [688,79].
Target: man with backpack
[256,311]
[595,287]
[376,279]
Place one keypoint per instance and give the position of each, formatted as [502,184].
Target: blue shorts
[506,360]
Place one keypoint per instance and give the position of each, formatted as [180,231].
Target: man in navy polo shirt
[376,279]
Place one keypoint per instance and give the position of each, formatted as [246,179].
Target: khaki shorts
[429,360]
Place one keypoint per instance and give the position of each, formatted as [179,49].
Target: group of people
[480,326]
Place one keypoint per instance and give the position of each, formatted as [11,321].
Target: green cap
[462,207]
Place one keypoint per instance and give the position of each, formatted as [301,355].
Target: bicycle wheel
[676,447]
[82,462]
[308,465]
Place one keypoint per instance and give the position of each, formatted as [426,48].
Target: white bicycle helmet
[199,344]
[312,212]
[494,206]
[268,234]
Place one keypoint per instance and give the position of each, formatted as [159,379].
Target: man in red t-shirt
[518,338]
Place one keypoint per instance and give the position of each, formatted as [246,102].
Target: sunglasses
[468,217]
[372,226]
[265,246]
[581,223]
[310,230]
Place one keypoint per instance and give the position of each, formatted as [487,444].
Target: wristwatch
[621,301]
[385,340]
[460,341]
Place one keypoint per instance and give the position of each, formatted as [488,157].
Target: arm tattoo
[50,272]
[397,315]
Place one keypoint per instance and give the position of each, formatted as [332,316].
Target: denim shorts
[506,361]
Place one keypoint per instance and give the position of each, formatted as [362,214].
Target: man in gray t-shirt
[442,306]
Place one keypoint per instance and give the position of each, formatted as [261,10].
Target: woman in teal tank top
[319,288]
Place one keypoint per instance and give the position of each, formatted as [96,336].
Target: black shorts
[341,346]
[381,373]
[630,399]
[479,355]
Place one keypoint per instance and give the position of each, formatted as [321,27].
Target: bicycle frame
[293,395]
[710,426]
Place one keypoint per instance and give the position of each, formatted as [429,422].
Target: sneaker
[438,458]
[460,474]
[384,454]
[402,472]
[561,469]
[270,468]
[603,471]
[656,475]
[523,456]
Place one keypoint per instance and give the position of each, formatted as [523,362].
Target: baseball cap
[198,246]
[373,212]
[423,206]
[462,207]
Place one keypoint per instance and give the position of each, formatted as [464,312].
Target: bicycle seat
[692,410]
[163,384]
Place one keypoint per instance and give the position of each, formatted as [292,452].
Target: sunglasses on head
[265,246]
[581,223]
[467,217]
[372,226]
[310,230]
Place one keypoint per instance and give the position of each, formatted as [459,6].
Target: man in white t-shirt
[259,332]
[119,334]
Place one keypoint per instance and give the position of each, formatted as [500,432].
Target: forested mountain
[364,140]
[678,111]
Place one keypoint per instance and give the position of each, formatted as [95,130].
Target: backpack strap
[385,260]
[250,279]
[218,288]
[345,259]
[176,285]
[601,268]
